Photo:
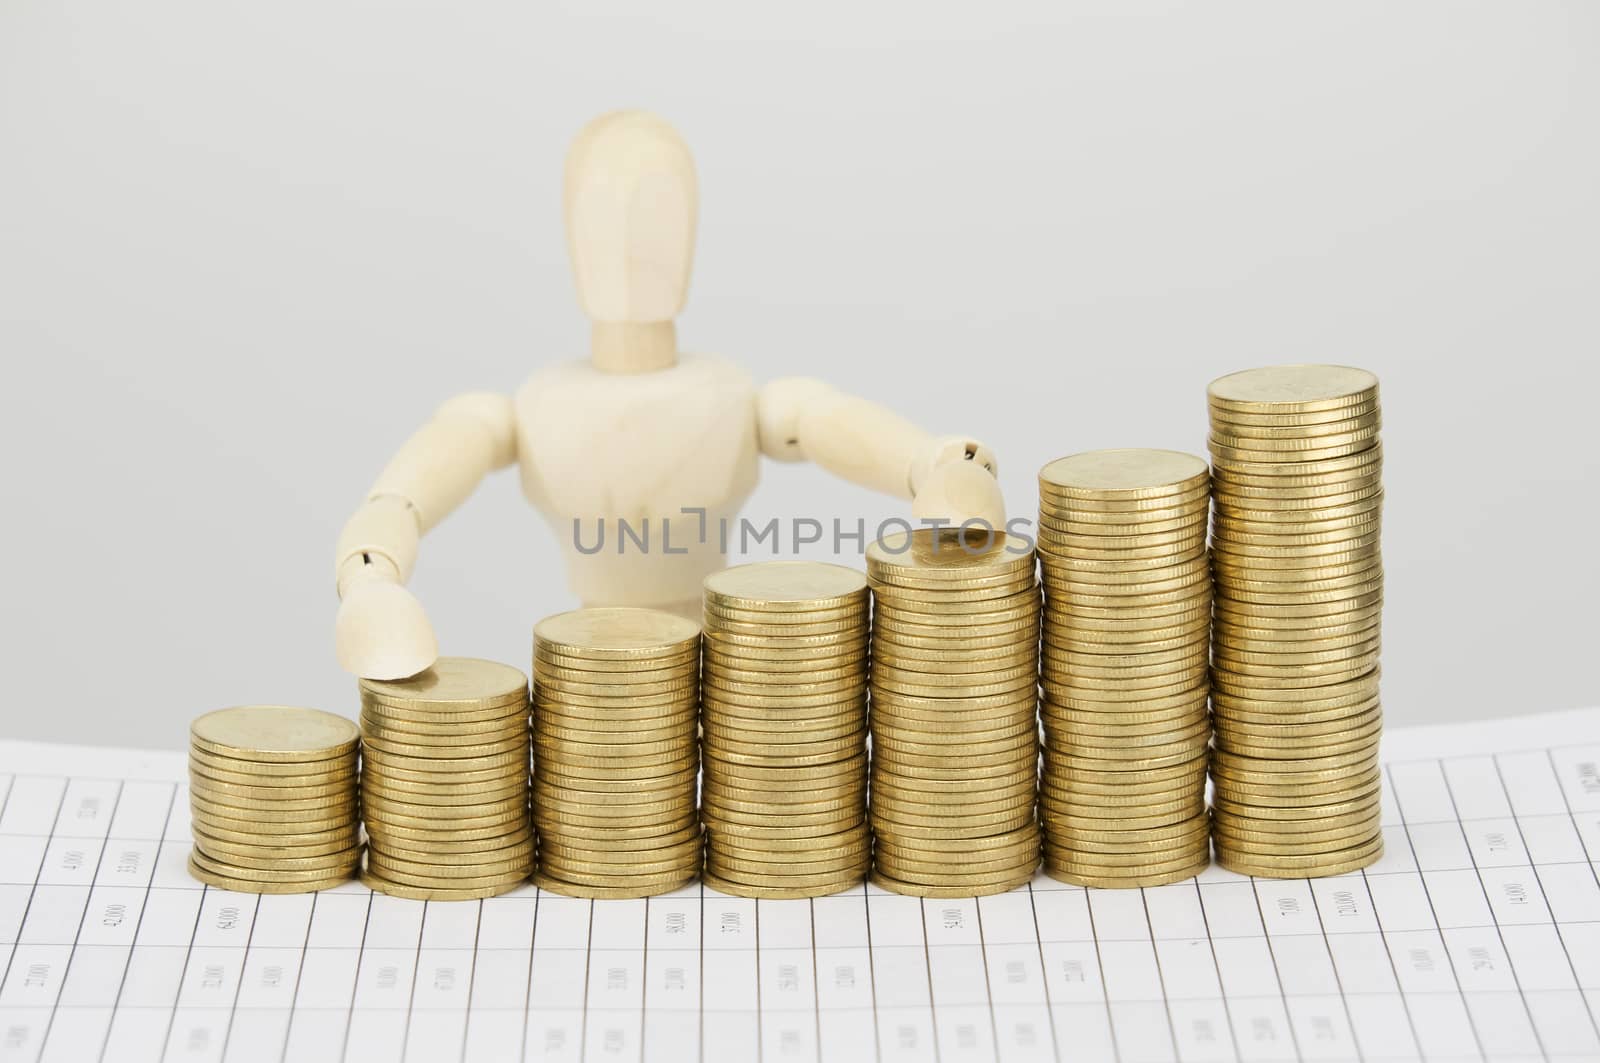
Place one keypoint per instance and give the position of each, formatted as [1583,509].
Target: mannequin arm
[950,478]
[381,628]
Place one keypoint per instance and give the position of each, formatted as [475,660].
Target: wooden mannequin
[637,431]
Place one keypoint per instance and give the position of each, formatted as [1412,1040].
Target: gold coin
[573,871]
[728,866]
[484,730]
[379,884]
[1150,678]
[1066,524]
[682,860]
[516,732]
[661,857]
[452,684]
[460,876]
[379,830]
[1303,770]
[1023,659]
[1295,418]
[671,731]
[246,806]
[948,686]
[391,770]
[606,669]
[786,586]
[435,751]
[1304,471]
[615,633]
[447,848]
[1318,865]
[1234,678]
[796,892]
[910,590]
[274,734]
[1134,879]
[1298,389]
[1125,474]
[272,773]
[996,884]
[1338,447]
[553,688]
[301,873]
[247,821]
[929,553]
[250,853]
[725,673]
[274,835]
[269,786]
[249,884]
[622,890]
[848,684]
[1367,416]
[934,624]
[855,628]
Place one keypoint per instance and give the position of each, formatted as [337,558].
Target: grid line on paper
[1338,979]
[927,959]
[1483,888]
[472,977]
[299,973]
[77,935]
[1044,975]
[988,987]
[110,998]
[527,994]
[1111,1017]
[1161,978]
[1566,953]
[355,980]
[188,954]
[416,969]
[38,873]
[1277,972]
[1394,970]
[244,959]
[816,975]
[1211,943]
[1433,910]
[872,973]
[122,982]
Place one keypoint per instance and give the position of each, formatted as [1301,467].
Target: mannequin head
[630,203]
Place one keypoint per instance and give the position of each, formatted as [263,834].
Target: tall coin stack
[1122,542]
[272,793]
[955,729]
[1299,582]
[784,693]
[616,702]
[444,781]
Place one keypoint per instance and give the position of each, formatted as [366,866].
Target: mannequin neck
[633,347]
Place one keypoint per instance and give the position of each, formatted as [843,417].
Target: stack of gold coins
[272,793]
[616,701]
[955,728]
[784,692]
[444,781]
[1122,542]
[1297,480]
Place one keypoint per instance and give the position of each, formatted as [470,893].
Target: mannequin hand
[382,633]
[958,491]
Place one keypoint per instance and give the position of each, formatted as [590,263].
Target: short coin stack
[444,781]
[1122,542]
[784,694]
[272,793]
[616,702]
[1299,583]
[955,727]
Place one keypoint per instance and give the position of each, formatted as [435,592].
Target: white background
[245,248]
